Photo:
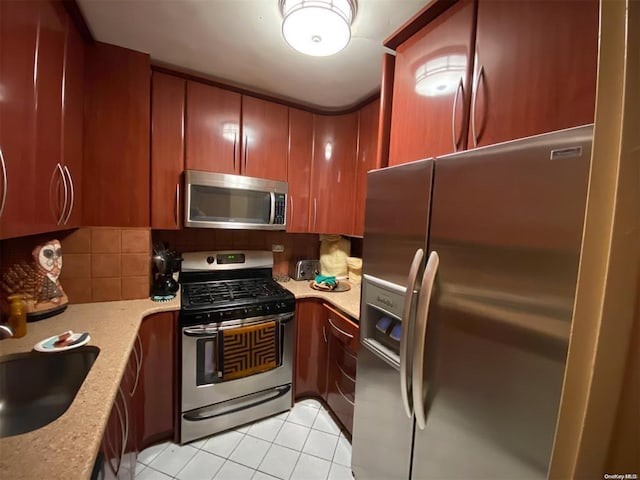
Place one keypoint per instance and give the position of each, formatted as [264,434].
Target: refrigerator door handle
[405,384]
[420,334]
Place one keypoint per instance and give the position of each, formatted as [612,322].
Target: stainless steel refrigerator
[470,268]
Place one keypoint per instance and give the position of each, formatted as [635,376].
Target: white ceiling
[240,41]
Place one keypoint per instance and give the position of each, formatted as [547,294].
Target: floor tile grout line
[300,455]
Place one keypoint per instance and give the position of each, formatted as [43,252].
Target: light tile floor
[302,444]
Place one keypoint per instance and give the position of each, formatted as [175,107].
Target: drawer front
[343,329]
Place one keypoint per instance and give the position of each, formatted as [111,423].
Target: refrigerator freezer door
[382,432]
[507,225]
[396,219]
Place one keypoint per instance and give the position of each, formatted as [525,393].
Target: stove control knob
[210,260]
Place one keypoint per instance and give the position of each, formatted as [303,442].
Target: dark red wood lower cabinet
[153,400]
[341,382]
[343,339]
[311,349]
[326,356]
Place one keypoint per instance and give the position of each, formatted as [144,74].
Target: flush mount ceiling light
[317,27]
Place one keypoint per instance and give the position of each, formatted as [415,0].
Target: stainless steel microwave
[218,200]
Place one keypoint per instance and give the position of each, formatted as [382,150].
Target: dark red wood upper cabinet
[213,129]
[264,139]
[535,71]
[49,194]
[311,349]
[333,173]
[18,162]
[116,169]
[72,123]
[432,88]
[367,159]
[299,169]
[167,150]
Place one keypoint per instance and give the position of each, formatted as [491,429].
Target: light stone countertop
[67,447]
[348,302]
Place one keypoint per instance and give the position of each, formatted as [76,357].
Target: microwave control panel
[280,213]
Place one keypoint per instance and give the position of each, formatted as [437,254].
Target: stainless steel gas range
[237,328]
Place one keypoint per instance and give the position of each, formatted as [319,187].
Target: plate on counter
[340,287]
[77,340]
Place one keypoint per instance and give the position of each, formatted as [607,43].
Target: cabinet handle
[342,393]
[315,211]
[345,373]
[123,427]
[324,334]
[177,204]
[246,152]
[125,432]
[73,195]
[453,115]
[473,106]
[139,358]
[340,330]
[58,215]
[235,150]
[4,183]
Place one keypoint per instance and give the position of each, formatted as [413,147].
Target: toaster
[306,270]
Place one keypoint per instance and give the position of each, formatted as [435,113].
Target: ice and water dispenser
[381,321]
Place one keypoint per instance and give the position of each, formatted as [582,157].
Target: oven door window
[219,204]
[207,368]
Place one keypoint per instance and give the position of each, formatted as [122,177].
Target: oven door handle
[203,331]
[199,332]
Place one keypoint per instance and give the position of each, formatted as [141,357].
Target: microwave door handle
[272,214]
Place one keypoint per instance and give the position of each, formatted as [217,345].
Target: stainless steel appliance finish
[306,270]
[222,292]
[218,200]
[472,388]
[397,213]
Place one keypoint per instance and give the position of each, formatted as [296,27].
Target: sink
[36,388]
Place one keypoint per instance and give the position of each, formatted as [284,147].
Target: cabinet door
[167,150]
[154,397]
[367,157]
[52,192]
[431,90]
[341,382]
[116,137]
[333,173]
[213,129]
[264,139]
[72,123]
[344,341]
[535,68]
[299,169]
[311,349]
[18,163]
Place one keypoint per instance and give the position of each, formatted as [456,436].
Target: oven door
[204,384]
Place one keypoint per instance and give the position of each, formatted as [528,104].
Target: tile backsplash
[108,263]
[104,263]
[99,263]
[296,245]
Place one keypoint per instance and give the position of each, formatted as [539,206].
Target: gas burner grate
[227,291]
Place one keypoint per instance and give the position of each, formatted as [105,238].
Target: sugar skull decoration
[38,281]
